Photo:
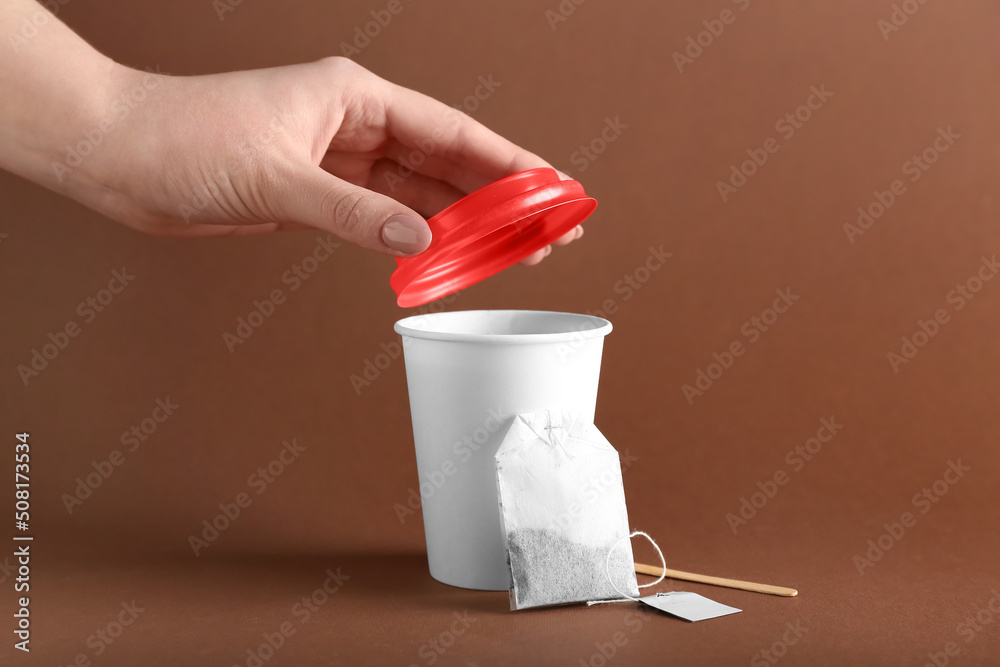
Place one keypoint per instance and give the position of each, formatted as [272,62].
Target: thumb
[317,198]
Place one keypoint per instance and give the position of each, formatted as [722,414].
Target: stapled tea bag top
[562,508]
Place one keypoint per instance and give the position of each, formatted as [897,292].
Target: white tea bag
[562,509]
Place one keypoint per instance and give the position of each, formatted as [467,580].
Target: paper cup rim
[422,326]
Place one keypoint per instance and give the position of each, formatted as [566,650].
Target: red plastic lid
[489,230]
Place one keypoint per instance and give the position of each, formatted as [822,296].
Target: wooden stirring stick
[716,581]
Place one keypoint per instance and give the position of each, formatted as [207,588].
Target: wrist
[103,154]
[66,112]
[74,156]
[51,89]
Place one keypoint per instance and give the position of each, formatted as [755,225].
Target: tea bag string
[607,568]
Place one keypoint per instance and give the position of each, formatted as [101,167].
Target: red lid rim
[490,230]
[415,293]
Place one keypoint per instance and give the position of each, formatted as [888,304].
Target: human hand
[326,144]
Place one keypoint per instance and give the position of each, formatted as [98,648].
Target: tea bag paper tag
[689,606]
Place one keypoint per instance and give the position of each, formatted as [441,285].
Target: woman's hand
[325,144]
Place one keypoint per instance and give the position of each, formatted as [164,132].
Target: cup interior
[503,326]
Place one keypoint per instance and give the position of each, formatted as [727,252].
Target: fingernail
[548,250]
[406,234]
[563,176]
[579,231]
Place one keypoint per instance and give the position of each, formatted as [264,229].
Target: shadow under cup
[468,374]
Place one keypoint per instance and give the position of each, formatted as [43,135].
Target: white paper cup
[468,373]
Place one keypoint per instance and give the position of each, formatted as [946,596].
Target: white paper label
[689,606]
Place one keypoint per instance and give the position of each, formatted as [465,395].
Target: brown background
[656,185]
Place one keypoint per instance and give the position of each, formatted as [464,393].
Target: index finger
[459,149]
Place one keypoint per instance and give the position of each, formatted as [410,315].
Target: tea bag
[562,509]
